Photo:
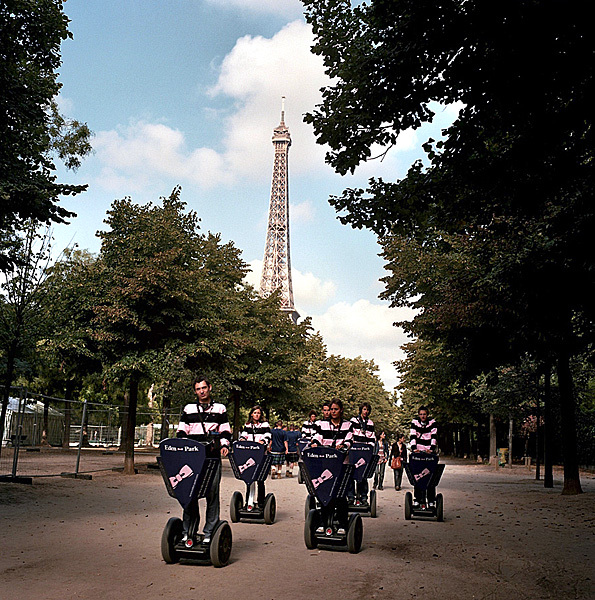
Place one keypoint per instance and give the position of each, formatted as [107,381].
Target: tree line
[488,237]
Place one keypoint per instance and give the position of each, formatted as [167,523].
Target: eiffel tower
[276,269]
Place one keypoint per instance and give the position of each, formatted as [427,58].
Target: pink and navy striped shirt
[256,432]
[424,437]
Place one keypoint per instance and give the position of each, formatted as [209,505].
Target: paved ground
[504,537]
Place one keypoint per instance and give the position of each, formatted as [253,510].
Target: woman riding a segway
[336,433]
[257,430]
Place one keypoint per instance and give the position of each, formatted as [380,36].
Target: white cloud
[365,329]
[360,329]
[302,212]
[255,74]
[144,150]
[289,8]
[309,291]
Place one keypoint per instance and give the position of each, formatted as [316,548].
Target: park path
[504,537]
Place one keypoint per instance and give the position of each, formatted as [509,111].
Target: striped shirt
[308,429]
[205,424]
[256,432]
[424,437]
[363,431]
[327,434]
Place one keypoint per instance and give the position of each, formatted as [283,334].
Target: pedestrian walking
[398,458]
[381,449]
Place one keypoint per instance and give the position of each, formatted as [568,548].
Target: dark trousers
[191,516]
[422,496]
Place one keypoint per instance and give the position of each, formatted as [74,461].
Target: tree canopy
[505,196]
[31,129]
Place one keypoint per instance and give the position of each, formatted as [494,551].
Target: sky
[188,92]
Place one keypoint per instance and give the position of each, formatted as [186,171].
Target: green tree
[515,166]
[31,129]
[21,295]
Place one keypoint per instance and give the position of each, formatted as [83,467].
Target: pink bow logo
[249,463]
[185,471]
[324,476]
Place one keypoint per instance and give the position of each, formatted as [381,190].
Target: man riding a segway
[424,438]
[205,421]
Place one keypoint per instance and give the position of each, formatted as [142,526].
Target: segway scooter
[423,471]
[188,475]
[327,476]
[364,462]
[251,463]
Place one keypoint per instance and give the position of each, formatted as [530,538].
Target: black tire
[300,478]
[310,504]
[235,506]
[310,526]
[373,512]
[408,505]
[270,509]
[355,533]
[221,542]
[172,534]
[439,508]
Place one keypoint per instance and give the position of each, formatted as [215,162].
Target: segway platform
[364,462]
[251,463]
[327,475]
[424,471]
[188,475]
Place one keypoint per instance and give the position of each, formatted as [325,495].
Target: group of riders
[206,421]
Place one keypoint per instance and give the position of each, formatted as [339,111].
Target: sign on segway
[251,464]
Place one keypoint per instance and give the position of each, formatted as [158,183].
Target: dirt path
[504,537]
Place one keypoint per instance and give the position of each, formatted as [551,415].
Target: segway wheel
[172,534]
[235,506]
[439,508]
[310,526]
[373,512]
[270,509]
[300,478]
[408,505]
[310,504]
[355,533]
[221,542]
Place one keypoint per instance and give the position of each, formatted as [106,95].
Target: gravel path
[504,537]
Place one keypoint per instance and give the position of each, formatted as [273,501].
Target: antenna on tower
[282,109]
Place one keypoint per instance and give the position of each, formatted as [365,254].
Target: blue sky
[187,92]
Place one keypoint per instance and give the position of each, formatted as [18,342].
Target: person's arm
[434,440]
[413,438]
[182,426]
[224,432]
[266,431]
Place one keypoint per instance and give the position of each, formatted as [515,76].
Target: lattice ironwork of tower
[276,269]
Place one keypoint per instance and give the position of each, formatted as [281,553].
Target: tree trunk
[130,427]
[572,482]
[538,439]
[548,431]
[9,374]
[123,414]
[165,417]
[493,441]
[46,422]
[67,414]
[510,435]
[235,394]
[150,425]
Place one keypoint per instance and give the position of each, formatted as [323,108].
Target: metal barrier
[46,436]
